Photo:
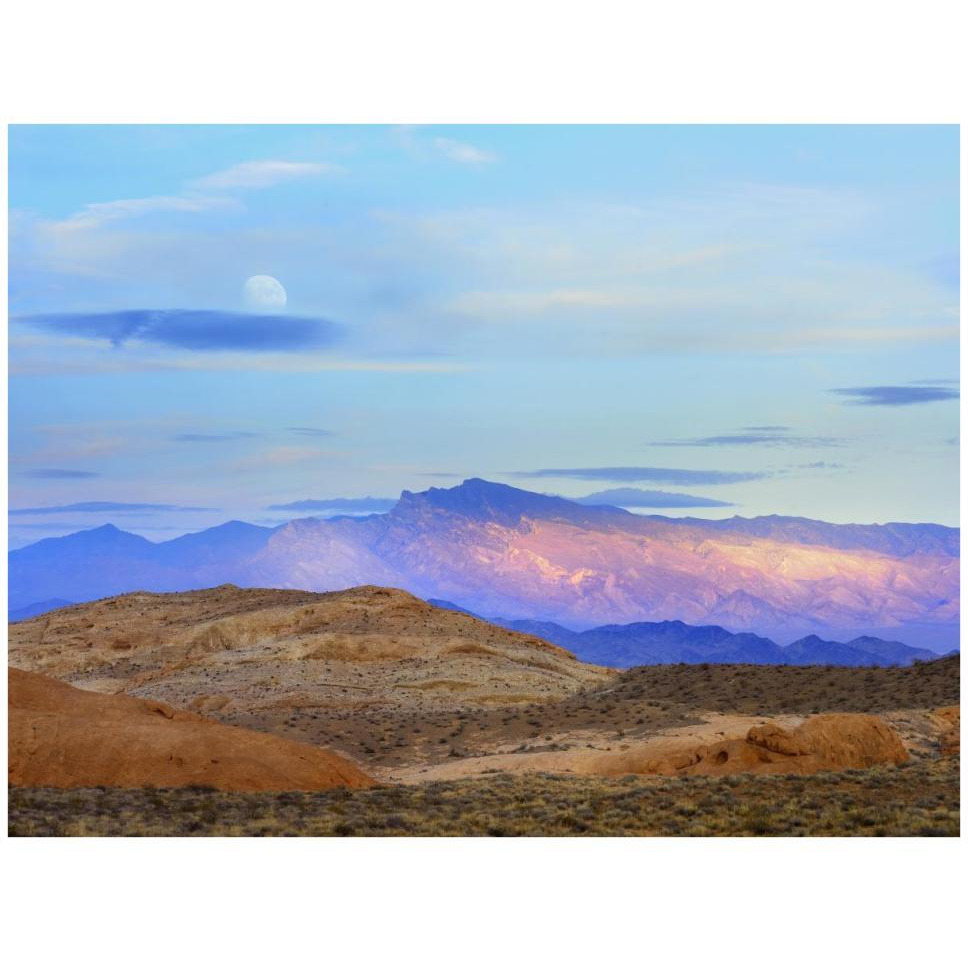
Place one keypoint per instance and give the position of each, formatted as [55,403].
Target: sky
[729,319]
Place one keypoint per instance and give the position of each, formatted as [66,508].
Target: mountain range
[501,550]
[659,643]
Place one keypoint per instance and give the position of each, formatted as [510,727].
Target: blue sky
[764,316]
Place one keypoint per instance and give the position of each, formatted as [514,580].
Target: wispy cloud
[70,355]
[895,396]
[280,457]
[655,475]
[633,497]
[374,504]
[463,153]
[68,444]
[97,507]
[262,174]
[730,271]
[760,438]
[310,431]
[193,329]
[214,438]
[95,214]
[208,193]
[57,474]
[54,527]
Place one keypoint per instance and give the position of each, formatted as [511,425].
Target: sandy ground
[919,729]
[599,751]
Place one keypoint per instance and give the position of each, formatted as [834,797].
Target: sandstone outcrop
[830,741]
[948,719]
[60,736]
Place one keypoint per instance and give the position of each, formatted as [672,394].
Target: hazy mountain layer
[655,643]
[504,551]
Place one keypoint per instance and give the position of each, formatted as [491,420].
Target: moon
[264,292]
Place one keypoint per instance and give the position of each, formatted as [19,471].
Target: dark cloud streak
[57,474]
[895,396]
[762,439]
[374,504]
[633,497]
[98,507]
[211,438]
[193,329]
[310,431]
[655,475]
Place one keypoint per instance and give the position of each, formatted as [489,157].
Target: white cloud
[281,457]
[95,214]
[262,174]
[768,268]
[464,153]
[499,303]
[744,267]
[248,175]
[47,356]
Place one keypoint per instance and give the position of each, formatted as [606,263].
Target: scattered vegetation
[635,704]
[392,737]
[920,798]
[775,689]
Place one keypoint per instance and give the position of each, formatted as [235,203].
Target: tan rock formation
[232,651]
[948,719]
[830,741]
[60,736]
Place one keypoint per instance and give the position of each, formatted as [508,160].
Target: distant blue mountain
[107,561]
[35,608]
[659,643]
[232,539]
[480,500]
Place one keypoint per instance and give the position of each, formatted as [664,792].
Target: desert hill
[395,683]
[60,736]
[501,550]
[229,651]
[800,690]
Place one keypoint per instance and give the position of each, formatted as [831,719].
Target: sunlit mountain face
[503,551]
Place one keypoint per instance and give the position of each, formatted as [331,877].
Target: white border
[540,902]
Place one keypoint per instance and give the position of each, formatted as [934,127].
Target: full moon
[264,292]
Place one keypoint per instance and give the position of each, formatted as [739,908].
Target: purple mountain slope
[503,550]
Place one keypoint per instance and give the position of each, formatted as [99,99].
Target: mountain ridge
[504,550]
